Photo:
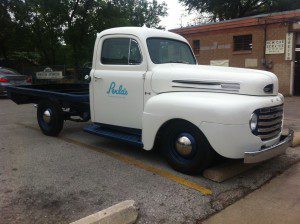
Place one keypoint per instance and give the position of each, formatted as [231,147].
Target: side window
[115,51]
[120,51]
[135,56]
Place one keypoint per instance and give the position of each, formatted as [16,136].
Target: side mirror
[87,78]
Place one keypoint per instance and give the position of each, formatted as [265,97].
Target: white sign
[48,73]
[224,63]
[275,46]
[215,46]
[251,62]
[289,46]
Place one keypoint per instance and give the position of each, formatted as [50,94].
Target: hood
[182,77]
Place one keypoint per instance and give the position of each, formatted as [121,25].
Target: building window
[196,46]
[242,43]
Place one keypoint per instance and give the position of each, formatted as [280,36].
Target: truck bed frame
[74,97]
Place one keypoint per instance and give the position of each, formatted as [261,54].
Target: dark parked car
[10,77]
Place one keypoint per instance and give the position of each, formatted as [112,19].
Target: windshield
[8,71]
[163,50]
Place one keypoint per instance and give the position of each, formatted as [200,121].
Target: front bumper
[271,151]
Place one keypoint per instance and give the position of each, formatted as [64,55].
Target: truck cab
[147,89]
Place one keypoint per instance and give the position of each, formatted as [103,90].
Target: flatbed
[55,102]
[68,93]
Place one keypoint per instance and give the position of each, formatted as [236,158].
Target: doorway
[297,67]
[297,74]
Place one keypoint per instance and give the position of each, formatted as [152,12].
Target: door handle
[97,77]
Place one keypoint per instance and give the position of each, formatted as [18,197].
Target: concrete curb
[296,140]
[226,171]
[125,212]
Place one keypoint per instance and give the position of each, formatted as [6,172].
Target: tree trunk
[3,50]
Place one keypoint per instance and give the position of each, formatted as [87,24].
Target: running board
[133,139]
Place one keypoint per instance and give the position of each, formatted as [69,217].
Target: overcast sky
[177,15]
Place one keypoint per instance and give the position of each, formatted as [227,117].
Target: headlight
[253,122]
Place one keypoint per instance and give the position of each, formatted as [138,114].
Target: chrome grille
[269,122]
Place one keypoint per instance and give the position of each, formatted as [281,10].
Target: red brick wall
[281,67]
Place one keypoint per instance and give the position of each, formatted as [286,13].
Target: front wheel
[186,148]
[50,117]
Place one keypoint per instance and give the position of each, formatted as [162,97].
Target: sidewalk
[275,202]
[292,113]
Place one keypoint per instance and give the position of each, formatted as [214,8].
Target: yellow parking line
[136,163]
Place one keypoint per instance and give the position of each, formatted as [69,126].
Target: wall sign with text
[48,73]
[289,46]
[224,63]
[275,46]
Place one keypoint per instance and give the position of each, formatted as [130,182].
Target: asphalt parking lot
[59,180]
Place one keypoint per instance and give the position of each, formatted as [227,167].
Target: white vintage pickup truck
[147,89]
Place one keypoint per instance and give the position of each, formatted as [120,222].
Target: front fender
[199,107]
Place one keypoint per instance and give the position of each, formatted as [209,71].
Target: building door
[297,67]
[297,74]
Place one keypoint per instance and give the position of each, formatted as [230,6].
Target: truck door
[118,82]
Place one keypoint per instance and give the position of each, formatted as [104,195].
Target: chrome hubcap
[47,116]
[184,146]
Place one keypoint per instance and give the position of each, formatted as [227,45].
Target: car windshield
[5,71]
[163,50]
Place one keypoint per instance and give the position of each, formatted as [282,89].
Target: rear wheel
[186,148]
[50,117]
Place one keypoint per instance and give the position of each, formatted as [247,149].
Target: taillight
[29,79]
[4,80]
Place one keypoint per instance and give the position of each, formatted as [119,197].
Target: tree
[87,17]
[37,27]
[142,12]
[230,9]
[59,31]
[6,28]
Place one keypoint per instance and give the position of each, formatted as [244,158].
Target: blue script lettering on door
[115,90]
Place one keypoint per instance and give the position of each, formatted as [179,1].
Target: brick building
[269,42]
